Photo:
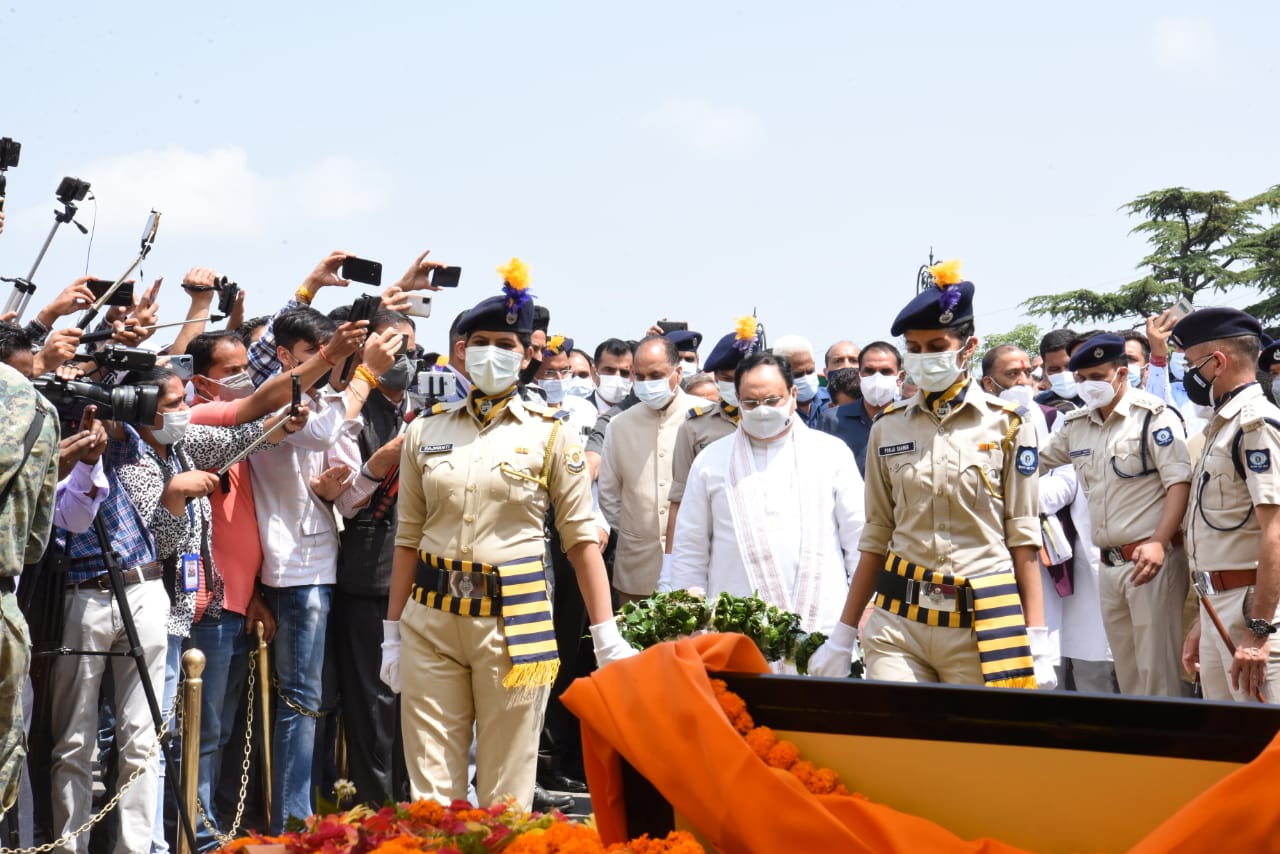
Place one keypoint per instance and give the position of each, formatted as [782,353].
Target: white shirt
[706,552]
[298,530]
[1077,618]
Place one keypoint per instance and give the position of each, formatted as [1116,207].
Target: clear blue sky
[693,160]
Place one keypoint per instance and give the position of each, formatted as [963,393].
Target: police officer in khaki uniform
[707,421]
[949,550]
[1130,453]
[1233,518]
[468,598]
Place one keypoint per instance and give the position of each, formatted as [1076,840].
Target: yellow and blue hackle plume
[945,274]
[515,283]
[554,344]
[745,334]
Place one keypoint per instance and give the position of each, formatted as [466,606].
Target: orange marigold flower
[783,755]
[425,811]
[401,845]
[732,704]
[761,740]
[743,723]
[719,686]
[804,771]
[823,781]
[841,789]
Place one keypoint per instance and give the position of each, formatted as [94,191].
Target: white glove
[389,671]
[836,655]
[1044,655]
[608,643]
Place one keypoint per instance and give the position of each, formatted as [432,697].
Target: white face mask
[933,371]
[1063,384]
[765,422]
[613,388]
[1275,388]
[655,394]
[806,388]
[1023,395]
[1204,413]
[174,427]
[578,386]
[234,387]
[728,393]
[879,389]
[493,369]
[690,366]
[1096,393]
[553,388]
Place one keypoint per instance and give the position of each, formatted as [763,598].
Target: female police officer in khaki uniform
[468,592]
[949,550]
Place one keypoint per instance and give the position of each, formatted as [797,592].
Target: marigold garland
[776,752]
[428,826]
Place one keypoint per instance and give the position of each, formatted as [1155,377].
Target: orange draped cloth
[657,711]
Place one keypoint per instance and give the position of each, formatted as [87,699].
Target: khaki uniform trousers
[451,671]
[896,649]
[1215,660]
[1144,625]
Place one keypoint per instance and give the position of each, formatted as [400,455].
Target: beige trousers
[1215,661]
[451,671]
[1144,625]
[896,649]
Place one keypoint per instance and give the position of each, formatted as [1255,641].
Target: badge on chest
[894,450]
[438,448]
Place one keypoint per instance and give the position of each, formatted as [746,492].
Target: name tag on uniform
[892,450]
[442,448]
[1083,452]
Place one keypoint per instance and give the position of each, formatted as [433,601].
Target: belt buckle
[939,597]
[1115,556]
[1203,583]
[461,585]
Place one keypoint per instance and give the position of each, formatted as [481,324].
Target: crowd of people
[435,542]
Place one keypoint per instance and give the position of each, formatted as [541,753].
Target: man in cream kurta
[810,486]
[635,468]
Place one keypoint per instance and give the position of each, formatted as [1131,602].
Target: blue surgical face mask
[1178,365]
[1063,384]
[1135,376]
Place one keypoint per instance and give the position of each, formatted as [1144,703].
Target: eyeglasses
[552,374]
[752,404]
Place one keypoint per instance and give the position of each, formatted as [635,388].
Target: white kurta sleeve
[691,553]
[609,484]
[850,509]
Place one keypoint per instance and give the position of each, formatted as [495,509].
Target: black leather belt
[7,584]
[458,583]
[133,575]
[935,597]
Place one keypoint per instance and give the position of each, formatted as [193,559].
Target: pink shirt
[237,550]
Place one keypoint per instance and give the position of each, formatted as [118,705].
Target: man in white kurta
[776,514]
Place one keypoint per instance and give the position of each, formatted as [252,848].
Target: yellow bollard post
[264,715]
[192,689]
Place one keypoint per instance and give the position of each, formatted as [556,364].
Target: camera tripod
[52,588]
[24,287]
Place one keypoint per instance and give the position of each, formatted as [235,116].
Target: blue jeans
[302,615]
[225,647]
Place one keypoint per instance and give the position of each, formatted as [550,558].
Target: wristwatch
[1261,627]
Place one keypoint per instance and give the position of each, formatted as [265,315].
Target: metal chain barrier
[230,835]
[288,701]
[110,805]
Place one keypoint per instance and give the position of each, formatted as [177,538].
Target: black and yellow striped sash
[941,403]
[523,606]
[997,619]
[485,407]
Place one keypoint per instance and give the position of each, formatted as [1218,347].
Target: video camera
[227,293]
[134,404]
[10,151]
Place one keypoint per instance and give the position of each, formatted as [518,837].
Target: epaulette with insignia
[892,407]
[696,411]
[1152,404]
[560,415]
[1075,413]
[436,409]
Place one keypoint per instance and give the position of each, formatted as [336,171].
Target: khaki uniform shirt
[469,492]
[952,495]
[706,423]
[635,480]
[1125,464]
[1220,499]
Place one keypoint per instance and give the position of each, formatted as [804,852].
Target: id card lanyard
[192,564]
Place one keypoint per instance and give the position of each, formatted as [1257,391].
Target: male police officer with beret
[468,595]
[1130,452]
[1233,520]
